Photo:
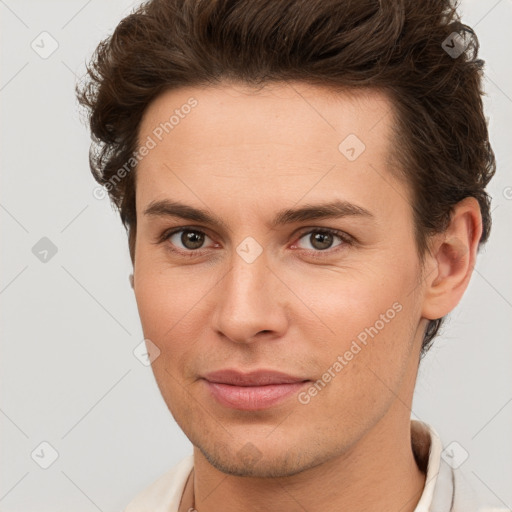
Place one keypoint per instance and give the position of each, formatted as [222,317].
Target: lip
[254,390]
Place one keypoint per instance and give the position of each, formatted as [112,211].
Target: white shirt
[446,489]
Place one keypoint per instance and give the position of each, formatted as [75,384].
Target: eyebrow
[331,210]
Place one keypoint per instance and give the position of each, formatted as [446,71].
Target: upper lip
[253,378]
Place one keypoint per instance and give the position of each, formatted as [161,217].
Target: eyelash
[344,237]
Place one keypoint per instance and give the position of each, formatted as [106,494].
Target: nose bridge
[249,277]
[248,300]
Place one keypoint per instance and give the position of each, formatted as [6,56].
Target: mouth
[252,391]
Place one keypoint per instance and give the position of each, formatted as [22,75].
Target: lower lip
[253,398]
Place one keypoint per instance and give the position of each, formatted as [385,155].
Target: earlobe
[453,256]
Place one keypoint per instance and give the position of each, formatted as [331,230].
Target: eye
[322,239]
[189,241]
[185,239]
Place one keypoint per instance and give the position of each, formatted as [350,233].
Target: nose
[252,303]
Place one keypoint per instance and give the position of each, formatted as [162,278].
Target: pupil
[192,239]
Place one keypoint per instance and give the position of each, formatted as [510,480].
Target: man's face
[339,311]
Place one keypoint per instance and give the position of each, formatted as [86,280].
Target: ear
[452,259]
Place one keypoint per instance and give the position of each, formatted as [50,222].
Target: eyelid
[346,242]
[166,234]
[321,229]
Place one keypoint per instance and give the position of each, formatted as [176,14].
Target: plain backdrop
[69,320]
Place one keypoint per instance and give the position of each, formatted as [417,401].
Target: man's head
[255,113]
[400,48]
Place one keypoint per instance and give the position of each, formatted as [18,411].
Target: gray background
[70,324]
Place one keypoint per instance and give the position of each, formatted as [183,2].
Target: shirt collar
[427,448]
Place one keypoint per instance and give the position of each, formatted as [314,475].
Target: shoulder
[164,494]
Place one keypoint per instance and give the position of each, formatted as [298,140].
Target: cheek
[348,301]
[166,306]
[166,294]
[172,305]
[366,317]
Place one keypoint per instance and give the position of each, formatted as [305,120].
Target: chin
[249,461]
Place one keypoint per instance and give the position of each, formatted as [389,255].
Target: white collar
[427,448]
[446,488]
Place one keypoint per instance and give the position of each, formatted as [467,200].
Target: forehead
[241,114]
[284,138]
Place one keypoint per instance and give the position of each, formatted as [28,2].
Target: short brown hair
[405,48]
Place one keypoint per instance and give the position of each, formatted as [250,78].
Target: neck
[379,472]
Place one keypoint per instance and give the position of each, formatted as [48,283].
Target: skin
[243,155]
